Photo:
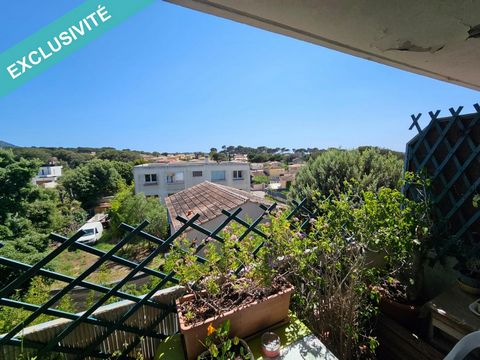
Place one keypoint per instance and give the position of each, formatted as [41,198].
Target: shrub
[260,179]
[88,183]
[370,169]
[215,283]
[329,262]
[38,293]
[133,209]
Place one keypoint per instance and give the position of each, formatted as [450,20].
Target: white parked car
[93,232]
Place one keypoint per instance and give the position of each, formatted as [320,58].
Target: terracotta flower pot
[404,314]
[206,353]
[245,320]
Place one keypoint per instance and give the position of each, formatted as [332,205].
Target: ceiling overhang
[435,38]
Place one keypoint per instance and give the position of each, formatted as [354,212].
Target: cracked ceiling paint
[436,38]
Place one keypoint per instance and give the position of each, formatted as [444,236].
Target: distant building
[256,166]
[286,180]
[294,168]
[240,157]
[162,180]
[275,171]
[48,175]
[208,200]
[257,173]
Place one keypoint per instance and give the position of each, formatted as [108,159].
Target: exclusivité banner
[59,39]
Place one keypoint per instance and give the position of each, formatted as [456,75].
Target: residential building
[256,166]
[162,180]
[240,157]
[208,199]
[286,180]
[48,175]
[257,173]
[294,168]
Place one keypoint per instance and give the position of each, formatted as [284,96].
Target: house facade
[48,175]
[162,180]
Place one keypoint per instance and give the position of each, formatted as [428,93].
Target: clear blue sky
[172,79]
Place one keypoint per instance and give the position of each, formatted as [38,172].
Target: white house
[48,175]
[162,180]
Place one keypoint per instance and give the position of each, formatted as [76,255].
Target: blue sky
[172,79]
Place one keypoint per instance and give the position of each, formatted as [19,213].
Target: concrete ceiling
[436,38]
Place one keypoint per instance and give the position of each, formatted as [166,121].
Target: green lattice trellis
[93,348]
[448,150]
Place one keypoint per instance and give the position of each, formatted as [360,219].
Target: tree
[221,156]
[125,170]
[118,155]
[133,209]
[327,172]
[16,183]
[27,213]
[90,182]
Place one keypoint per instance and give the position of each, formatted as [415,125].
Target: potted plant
[403,228]
[468,256]
[221,346]
[469,275]
[229,282]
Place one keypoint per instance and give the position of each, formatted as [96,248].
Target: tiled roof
[207,199]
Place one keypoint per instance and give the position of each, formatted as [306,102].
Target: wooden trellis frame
[448,151]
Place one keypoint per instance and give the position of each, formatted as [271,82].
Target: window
[237,174]
[175,177]
[150,178]
[218,175]
[197,173]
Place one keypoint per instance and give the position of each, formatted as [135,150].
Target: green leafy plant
[221,346]
[369,168]
[261,179]
[329,261]
[230,274]
[133,209]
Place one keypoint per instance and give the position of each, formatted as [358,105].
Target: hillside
[4,144]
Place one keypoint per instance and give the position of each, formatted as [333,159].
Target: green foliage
[29,213]
[90,182]
[37,294]
[260,179]
[328,270]
[221,346]
[216,156]
[38,154]
[16,179]
[125,170]
[264,157]
[330,263]
[74,157]
[70,158]
[29,247]
[216,280]
[118,155]
[133,209]
[369,169]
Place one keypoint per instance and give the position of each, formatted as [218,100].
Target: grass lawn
[73,263]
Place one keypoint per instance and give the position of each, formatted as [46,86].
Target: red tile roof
[207,199]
